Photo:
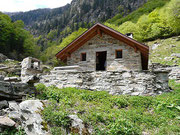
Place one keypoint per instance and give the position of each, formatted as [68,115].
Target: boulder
[77,125]
[9,60]
[15,115]
[31,118]
[6,122]
[3,57]
[154,46]
[26,115]
[1,77]
[176,55]
[168,58]
[13,106]
[12,79]
[3,104]
[31,106]
[14,90]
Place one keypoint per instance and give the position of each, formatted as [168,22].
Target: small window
[119,54]
[83,56]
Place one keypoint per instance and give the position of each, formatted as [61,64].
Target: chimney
[129,35]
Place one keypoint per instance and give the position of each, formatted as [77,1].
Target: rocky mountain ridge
[43,20]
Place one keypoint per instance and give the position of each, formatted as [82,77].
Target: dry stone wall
[131,60]
[116,83]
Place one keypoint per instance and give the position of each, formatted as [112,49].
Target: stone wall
[131,60]
[124,82]
[174,71]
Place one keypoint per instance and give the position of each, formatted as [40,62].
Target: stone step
[49,76]
[66,68]
[11,79]
[62,71]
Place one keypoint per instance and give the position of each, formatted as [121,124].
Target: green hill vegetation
[150,23]
[48,55]
[164,51]
[112,115]
[15,41]
[134,16]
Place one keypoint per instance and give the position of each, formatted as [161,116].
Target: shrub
[41,91]
[140,101]
[121,102]
[58,116]
[13,131]
[123,127]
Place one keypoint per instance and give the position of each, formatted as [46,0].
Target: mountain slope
[165,51]
[159,22]
[43,20]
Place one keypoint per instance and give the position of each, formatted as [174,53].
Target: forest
[15,41]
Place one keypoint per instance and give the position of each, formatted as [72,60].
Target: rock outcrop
[3,57]
[25,115]
[78,11]
[14,87]
[14,90]
[77,126]
[31,67]
[3,104]
[31,118]
[6,122]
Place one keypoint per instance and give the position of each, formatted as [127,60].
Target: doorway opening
[101,61]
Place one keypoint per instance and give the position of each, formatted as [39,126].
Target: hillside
[104,114]
[148,7]
[165,51]
[44,20]
[151,23]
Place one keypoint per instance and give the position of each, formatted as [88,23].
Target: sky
[26,5]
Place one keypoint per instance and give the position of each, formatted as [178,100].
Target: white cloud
[26,5]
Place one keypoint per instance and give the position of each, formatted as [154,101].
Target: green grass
[113,115]
[165,49]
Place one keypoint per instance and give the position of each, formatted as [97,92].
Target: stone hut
[104,49]
[103,59]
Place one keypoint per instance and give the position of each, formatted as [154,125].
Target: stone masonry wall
[124,82]
[130,61]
